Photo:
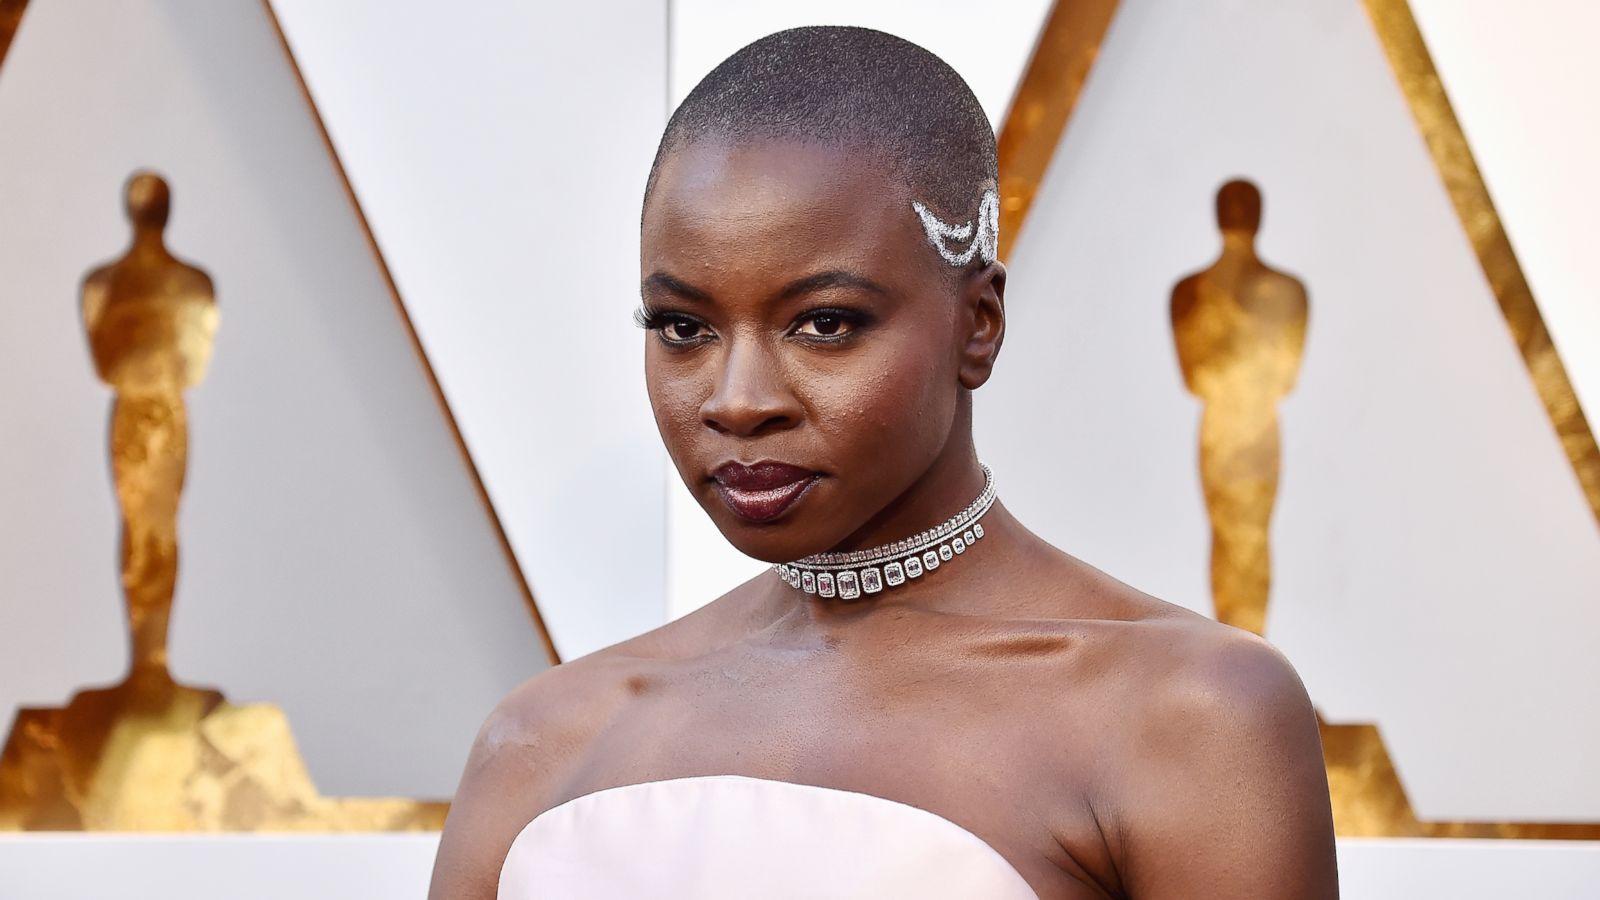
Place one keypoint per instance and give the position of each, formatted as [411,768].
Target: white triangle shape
[335,557]
[1435,563]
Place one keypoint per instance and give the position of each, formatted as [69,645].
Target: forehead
[779,206]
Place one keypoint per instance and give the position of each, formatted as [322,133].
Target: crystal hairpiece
[985,244]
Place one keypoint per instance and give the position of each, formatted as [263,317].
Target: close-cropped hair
[857,88]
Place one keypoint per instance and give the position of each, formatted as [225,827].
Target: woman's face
[806,344]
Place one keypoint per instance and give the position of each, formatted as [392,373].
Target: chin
[785,538]
[772,542]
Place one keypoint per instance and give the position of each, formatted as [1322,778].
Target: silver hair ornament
[985,244]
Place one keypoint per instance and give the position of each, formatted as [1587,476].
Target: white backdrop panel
[1438,564]
[500,153]
[1423,490]
[1535,135]
[336,558]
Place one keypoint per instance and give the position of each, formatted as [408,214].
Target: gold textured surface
[1368,798]
[150,754]
[1370,801]
[1239,328]
[10,19]
[532,604]
[1240,331]
[1046,95]
[1430,106]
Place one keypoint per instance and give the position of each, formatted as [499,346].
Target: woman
[945,706]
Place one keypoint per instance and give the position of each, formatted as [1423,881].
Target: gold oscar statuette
[150,754]
[1240,328]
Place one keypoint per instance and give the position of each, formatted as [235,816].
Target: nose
[751,395]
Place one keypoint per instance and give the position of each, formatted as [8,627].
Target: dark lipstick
[762,491]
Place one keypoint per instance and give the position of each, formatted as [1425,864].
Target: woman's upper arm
[484,818]
[1230,795]
[507,781]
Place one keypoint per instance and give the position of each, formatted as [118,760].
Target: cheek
[675,399]
[897,403]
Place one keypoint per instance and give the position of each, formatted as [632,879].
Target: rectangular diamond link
[849,586]
[945,553]
[808,582]
[894,574]
[977,530]
[970,538]
[824,584]
[930,560]
[914,567]
[871,580]
[958,545]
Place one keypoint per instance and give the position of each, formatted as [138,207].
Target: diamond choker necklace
[850,574]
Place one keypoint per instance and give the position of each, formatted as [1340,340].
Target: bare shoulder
[1178,661]
[541,731]
[1202,669]
[519,757]
[531,743]
[1214,760]
[552,714]
[1172,669]
[547,719]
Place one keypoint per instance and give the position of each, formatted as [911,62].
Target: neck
[946,487]
[864,569]
[966,585]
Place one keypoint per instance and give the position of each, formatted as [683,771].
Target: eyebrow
[828,279]
[663,282]
[799,287]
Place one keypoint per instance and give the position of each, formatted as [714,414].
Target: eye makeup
[823,325]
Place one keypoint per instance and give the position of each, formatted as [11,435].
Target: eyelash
[649,319]
[656,320]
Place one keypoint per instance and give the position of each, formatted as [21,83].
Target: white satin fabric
[719,837]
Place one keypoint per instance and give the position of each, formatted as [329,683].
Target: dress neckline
[752,782]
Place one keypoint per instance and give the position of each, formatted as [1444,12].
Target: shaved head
[851,87]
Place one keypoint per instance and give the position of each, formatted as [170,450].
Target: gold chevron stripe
[1436,119]
[10,19]
[1048,92]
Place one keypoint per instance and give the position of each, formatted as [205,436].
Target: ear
[983,295]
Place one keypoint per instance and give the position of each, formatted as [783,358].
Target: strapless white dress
[718,837]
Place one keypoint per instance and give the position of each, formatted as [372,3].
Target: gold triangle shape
[1368,798]
[1452,156]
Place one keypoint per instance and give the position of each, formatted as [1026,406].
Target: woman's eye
[824,325]
[683,331]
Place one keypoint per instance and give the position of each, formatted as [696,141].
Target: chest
[953,737]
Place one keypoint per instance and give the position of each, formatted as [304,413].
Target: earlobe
[984,296]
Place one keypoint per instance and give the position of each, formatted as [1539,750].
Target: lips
[762,491]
